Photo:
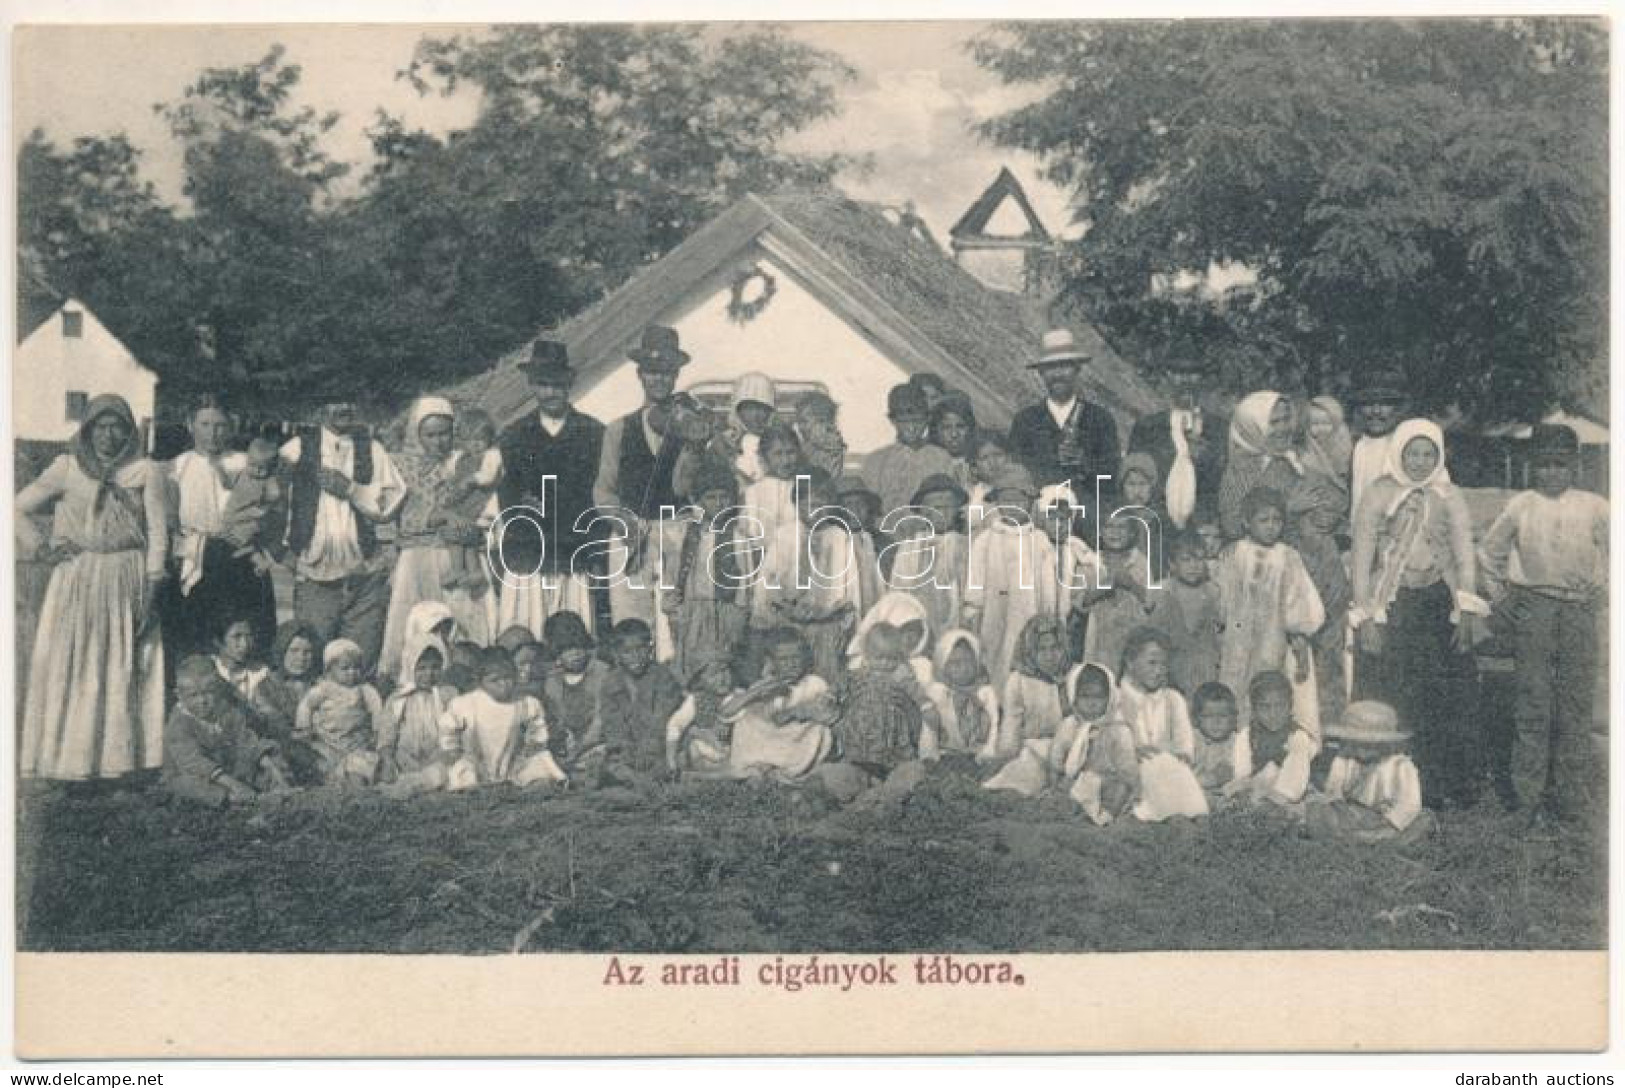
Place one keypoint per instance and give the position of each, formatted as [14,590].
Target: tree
[596,150]
[1427,194]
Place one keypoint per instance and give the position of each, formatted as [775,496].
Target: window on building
[77,403]
[73,324]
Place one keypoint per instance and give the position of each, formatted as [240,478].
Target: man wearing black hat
[554,440]
[1066,439]
[639,469]
[1186,441]
[1381,403]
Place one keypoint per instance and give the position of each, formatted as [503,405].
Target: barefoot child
[884,709]
[342,717]
[697,736]
[1160,720]
[1222,752]
[1006,585]
[1188,612]
[257,507]
[635,701]
[782,723]
[570,691]
[410,741]
[1270,608]
[1119,601]
[1099,749]
[211,758]
[702,588]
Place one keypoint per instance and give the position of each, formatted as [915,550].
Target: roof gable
[974,223]
[900,291]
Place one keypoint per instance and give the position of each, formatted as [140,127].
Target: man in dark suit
[1192,425]
[540,531]
[1065,438]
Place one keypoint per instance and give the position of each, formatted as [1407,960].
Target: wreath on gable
[752,289]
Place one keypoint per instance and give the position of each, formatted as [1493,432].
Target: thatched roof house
[816,289]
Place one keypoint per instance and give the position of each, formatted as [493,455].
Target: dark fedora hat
[549,362]
[1383,387]
[1553,442]
[658,349]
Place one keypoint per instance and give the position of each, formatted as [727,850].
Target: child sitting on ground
[257,508]
[210,757]
[635,701]
[782,723]
[410,740]
[1099,749]
[1279,749]
[512,638]
[967,704]
[697,736]
[490,735]
[1372,791]
[1036,697]
[234,659]
[570,691]
[530,668]
[342,717]
[1222,752]
[884,709]
[464,671]
[1163,739]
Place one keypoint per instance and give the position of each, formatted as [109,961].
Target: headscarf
[415,649]
[1026,655]
[427,476]
[1408,514]
[1142,463]
[285,634]
[1250,428]
[1079,751]
[895,608]
[103,472]
[420,632]
[339,648]
[968,712]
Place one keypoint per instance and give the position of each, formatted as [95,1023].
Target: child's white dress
[496,742]
[790,750]
[1010,582]
[1033,715]
[1160,720]
[1284,781]
[1266,594]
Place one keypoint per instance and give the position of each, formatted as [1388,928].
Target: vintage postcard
[554,534]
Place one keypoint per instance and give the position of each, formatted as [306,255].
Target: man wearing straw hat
[639,469]
[1066,439]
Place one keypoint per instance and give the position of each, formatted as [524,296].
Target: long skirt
[230,588]
[1433,687]
[95,704]
[789,751]
[420,575]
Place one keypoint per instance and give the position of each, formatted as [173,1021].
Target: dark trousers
[1434,689]
[1555,643]
[352,607]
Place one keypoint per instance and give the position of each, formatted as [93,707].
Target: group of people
[1243,604]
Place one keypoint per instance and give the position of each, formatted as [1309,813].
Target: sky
[911,107]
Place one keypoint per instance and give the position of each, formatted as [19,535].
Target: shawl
[969,715]
[1026,655]
[1079,752]
[1407,515]
[895,608]
[428,479]
[103,472]
[1250,428]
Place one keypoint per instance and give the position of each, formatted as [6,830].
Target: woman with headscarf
[1417,614]
[1263,433]
[95,706]
[429,531]
[215,582]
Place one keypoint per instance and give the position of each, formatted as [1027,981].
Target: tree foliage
[1430,195]
[595,150]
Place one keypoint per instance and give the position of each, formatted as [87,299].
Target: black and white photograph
[839,498]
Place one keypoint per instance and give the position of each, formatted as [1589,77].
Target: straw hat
[1368,722]
[1059,348]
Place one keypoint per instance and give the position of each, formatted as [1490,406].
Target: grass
[760,868]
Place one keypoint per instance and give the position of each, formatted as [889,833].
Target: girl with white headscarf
[1416,609]
[429,531]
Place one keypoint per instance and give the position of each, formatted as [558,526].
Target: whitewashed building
[66,361]
[815,289]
